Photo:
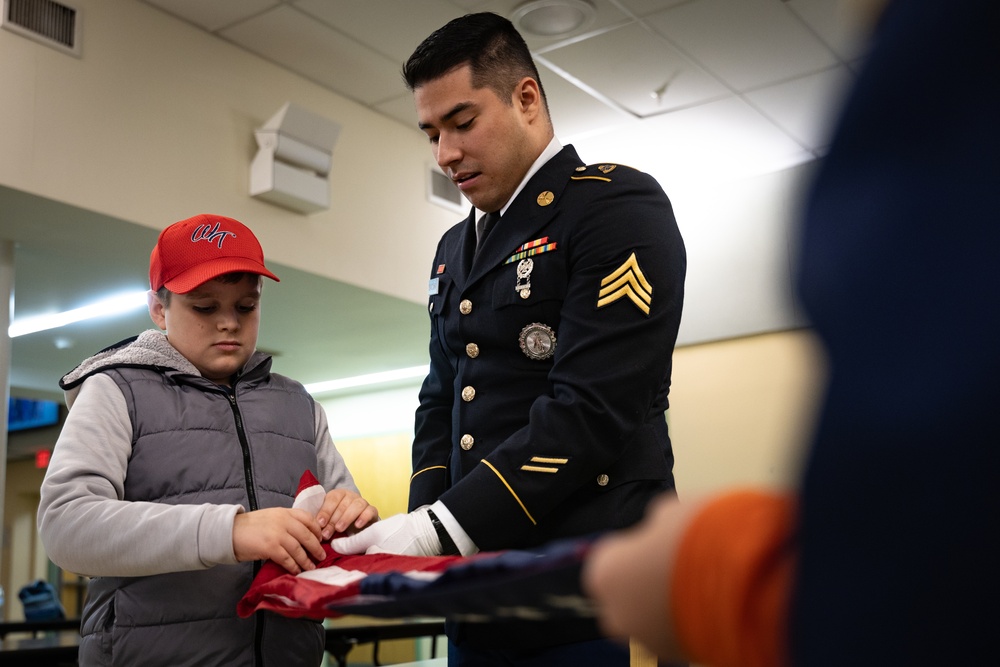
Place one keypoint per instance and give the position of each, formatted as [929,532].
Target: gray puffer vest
[196,442]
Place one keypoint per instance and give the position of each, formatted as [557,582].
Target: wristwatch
[448,547]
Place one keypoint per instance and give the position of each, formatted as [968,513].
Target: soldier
[554,310]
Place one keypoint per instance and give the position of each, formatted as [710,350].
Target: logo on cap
[211,234]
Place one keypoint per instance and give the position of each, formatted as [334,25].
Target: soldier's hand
[408,534]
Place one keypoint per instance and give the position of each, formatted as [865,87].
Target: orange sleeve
[732,579]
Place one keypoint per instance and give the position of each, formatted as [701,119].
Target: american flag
[532,584]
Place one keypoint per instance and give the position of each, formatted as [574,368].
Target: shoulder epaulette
[595,172]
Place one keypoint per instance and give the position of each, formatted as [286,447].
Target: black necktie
[484,225]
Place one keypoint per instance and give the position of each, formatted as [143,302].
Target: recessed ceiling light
[552,18]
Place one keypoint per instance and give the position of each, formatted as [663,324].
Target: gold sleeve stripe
[589,178]
[497,472]
[545,459]
[538,469]
[426,469]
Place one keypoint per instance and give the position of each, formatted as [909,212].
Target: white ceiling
[746,86]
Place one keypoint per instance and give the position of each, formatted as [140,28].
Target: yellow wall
[23,558]
[741,410]
[381,468]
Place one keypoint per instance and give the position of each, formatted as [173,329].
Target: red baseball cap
[193,251]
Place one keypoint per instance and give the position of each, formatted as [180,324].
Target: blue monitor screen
[25,413]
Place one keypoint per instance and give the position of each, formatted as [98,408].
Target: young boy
[177,466]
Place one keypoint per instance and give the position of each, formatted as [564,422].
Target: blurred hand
[344,511]
[408,534]
[289,537]
[628,574]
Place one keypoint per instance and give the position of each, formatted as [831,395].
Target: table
[57,643]
[56,649]
[35,627]
[344,634]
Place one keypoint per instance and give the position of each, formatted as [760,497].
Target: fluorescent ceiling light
[113,305]
[369,379]
[127,301]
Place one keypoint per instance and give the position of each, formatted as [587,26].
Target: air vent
[441,191]
[47,22]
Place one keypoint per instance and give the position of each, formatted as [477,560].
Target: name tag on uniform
[432,286]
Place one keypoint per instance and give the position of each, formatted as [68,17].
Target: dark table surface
[56,643]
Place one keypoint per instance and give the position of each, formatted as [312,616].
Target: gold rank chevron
[626,281]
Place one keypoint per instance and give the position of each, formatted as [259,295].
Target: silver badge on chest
[523,283]
[537,341]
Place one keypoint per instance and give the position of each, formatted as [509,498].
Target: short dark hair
[491,46]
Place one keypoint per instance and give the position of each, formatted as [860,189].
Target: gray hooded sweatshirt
[151,467]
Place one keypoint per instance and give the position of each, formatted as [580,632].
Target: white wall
[372,413]
[155,123]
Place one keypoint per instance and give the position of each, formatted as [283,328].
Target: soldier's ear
[527,97]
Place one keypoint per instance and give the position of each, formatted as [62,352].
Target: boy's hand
[289,537]
[344,511]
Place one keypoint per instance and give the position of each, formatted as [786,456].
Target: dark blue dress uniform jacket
[900,273]
[525,450]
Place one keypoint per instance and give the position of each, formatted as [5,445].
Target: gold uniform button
[465,307]
[602,480]
[467,442]
[468,393]
[472,350]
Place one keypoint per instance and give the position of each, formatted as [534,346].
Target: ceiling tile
[644,7]
[805,107]
[394,28]
[575,112]
[747,43]
[841,29]
[718,141]
[606,16]
[213,15]
[400,108]
[628,64]
[468,5]
[290,38]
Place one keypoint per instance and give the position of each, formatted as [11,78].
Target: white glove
[410,534]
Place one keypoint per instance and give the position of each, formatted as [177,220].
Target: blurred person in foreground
[888,554]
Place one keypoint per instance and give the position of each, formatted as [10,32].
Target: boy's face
[214,326]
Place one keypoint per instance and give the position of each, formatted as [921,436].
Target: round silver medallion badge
[537,341]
